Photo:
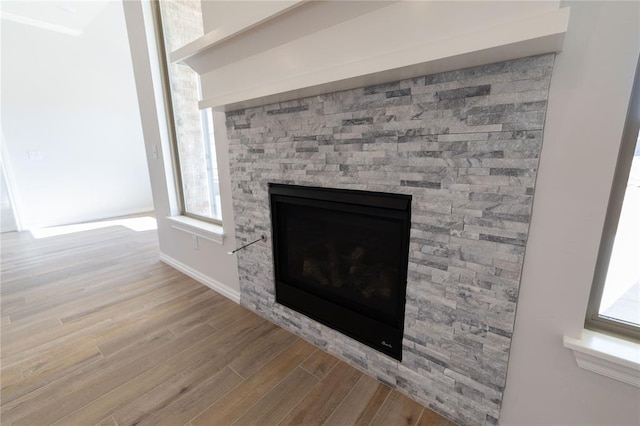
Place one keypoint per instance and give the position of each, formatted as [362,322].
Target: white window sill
[199,228]
[610,356]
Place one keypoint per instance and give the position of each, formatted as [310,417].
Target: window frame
[171,124]
[593,319]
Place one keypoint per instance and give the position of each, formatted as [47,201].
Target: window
[614,304]
[194,156]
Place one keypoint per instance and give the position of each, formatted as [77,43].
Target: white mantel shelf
[294,51]
[233,28]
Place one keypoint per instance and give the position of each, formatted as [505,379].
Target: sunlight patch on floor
[138,224]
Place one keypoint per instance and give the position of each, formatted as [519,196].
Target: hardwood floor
[96,330]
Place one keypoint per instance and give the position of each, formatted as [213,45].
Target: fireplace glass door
[341,258]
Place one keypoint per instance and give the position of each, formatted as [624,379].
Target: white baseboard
[214,285]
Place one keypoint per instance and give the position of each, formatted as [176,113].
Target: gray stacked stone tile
[465,145]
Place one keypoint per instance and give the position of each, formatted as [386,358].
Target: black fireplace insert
[341,258]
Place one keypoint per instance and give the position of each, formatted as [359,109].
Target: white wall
[7,218]
[209,262]
[73,100]
[588,102]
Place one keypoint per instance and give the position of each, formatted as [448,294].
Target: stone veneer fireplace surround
[465,145]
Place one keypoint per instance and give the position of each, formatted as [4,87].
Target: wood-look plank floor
[95,330]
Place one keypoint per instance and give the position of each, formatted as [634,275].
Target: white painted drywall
[209,259]
[7,218]
[588,102]
[70,122]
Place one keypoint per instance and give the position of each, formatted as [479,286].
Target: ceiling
[67,17]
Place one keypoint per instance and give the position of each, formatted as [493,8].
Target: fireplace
[464,144]
[340,258]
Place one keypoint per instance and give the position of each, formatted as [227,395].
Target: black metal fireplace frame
[385,337]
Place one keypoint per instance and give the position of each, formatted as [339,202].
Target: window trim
[168,104]
[616,358]
[621,176]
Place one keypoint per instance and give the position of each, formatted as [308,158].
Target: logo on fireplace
[383,343]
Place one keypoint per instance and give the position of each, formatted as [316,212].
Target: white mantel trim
[535,35]
[232,29]
[538,35]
